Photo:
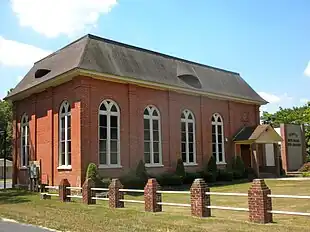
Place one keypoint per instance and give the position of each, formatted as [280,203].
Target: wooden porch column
[254,159]
[277,157]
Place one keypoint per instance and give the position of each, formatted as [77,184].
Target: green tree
[92,172]
[180,170]
[6,124]
[298,115]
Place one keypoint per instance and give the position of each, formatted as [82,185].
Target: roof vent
[41,72]
[188,75]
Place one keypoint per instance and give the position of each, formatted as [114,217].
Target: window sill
[154,165]
[221,163]
[23,168]
[67,168]
[109,166]
[190,164]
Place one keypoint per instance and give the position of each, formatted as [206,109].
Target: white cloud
[14,53]
[276,101]
[270,97]
[307,70]
[55,17]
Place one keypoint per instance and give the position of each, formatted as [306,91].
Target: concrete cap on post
[199,199]
[151,197]
[259,202]
[63,191]
[115,195]
[87,193]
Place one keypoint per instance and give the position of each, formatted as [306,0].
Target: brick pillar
[63,191]
[87,193]
[115,195]
[199,199]
[259,203]
[151,198]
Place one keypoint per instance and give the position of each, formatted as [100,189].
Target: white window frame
[151,118]
[109,104]
[24,125]
[187,121]
[65,115]
[216,124]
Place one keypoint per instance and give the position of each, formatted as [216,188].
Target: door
[246,155]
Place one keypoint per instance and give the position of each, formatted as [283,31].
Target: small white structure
[9,169]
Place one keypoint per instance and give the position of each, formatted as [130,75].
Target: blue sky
[267,42]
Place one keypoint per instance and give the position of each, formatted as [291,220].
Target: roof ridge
[60,49]
[98,38]
[84,50]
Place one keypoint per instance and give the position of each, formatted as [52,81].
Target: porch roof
[258,134]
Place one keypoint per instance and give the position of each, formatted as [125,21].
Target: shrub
[132,181]
[141,171]
[92,172]
[305,167]
[306,174]
[212,167]
[308,158]
[224,175]
[191,176]
[209,177]
[168,179]
[238,167]
[103,183]
[180,170]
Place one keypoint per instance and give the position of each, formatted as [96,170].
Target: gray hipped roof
[110,57]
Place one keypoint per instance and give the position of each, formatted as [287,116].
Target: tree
[298,115]
[6,124]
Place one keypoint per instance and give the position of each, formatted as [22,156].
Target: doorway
[246,154]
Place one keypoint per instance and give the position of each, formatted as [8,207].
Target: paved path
[11,226]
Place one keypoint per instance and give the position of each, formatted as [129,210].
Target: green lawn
[75,216]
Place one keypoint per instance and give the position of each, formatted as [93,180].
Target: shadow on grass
[13,196]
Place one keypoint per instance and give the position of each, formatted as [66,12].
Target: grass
[74,216]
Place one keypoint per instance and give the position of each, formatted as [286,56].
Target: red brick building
[113,104]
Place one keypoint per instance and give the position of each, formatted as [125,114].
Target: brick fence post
[115,195]
[199,199]
[151,198]
[259,202]
[87,193]
[63,191]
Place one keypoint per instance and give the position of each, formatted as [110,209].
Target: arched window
[218,146]
[109,134]
[65,135]
[188,138]
[152,136]
[24,153]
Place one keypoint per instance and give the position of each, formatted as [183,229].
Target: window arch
[65,135]
[109,134]
[218,146]
[24,153]
[152,136]
[188,138]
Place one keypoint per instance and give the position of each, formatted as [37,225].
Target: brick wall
[86,94]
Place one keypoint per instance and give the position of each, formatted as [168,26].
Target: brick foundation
[87,193]
[259,202]
[115,195]
[151,198]
[199,199]
[63,191]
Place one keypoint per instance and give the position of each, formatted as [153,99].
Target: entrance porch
[258,147]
